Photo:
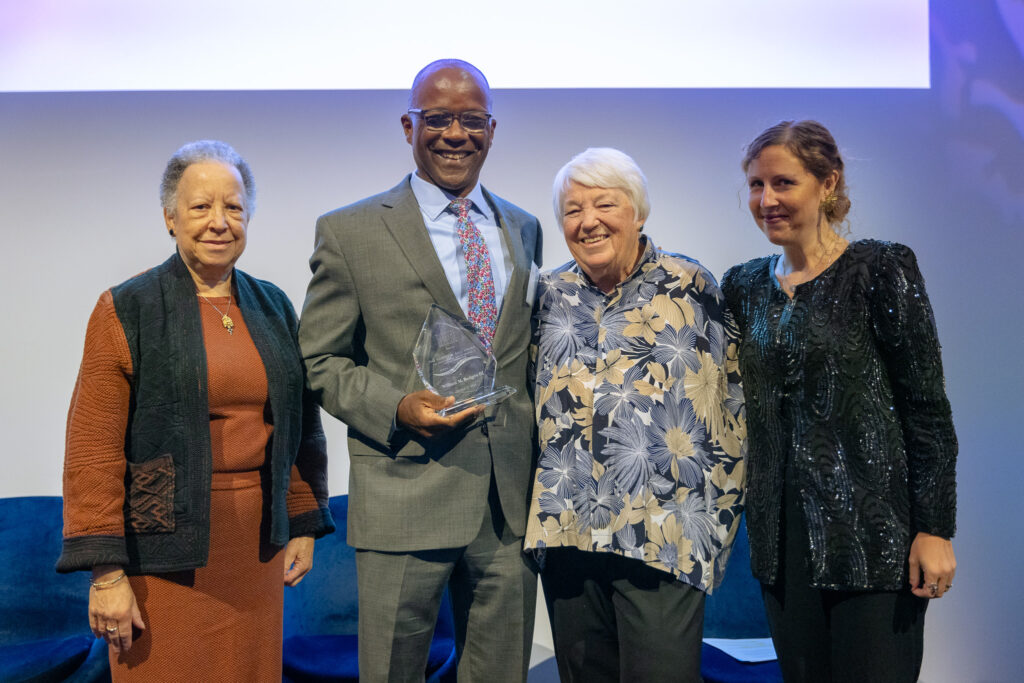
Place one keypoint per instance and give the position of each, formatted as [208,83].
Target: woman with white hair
[639,487]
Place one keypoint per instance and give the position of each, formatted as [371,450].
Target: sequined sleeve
[905,331]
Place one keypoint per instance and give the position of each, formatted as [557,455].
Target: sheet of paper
[745,649]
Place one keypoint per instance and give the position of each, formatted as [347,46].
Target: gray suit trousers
[488,580]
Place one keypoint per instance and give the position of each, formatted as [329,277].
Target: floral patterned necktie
[483,312]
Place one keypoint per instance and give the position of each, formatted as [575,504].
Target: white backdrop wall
[939,169]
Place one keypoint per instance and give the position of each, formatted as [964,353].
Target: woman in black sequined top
[851,493]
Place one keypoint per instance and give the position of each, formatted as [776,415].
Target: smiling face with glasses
[441,119]
[450,129]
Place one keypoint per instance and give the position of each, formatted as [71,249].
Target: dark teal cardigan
[167,443]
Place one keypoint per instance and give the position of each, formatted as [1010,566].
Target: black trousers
[616,619]
[841,636]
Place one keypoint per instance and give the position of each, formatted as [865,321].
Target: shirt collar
[650,253]
[434,201]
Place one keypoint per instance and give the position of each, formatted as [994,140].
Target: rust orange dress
[223,621]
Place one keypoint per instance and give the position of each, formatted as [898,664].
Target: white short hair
[603,167]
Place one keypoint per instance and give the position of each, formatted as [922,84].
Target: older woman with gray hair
[194,453]
[639,486]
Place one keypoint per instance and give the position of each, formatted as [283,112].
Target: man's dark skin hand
[417,412]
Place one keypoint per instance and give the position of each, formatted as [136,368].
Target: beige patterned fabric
[641,418]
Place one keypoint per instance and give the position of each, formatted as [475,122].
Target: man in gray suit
[433,500]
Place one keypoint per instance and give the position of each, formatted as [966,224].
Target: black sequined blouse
[844,391]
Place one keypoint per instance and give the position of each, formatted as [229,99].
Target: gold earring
[829,202]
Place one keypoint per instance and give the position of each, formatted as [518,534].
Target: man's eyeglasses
[441,119]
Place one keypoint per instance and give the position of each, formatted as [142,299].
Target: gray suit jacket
[375,274]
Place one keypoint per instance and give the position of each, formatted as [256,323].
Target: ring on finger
[112,629]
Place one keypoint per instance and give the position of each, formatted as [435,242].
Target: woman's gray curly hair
[198,152]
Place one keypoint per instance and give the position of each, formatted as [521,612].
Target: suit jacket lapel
[402,218]
[510,314]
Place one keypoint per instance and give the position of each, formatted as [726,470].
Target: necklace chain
[225,319]
[825,259]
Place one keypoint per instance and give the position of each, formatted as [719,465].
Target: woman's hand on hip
[932,565]
[112,608]
[298,559]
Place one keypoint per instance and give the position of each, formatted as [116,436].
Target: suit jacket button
[483,429]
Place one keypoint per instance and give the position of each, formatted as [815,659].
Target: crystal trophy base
[496,396]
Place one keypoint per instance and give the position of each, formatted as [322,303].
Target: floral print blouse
[640,418]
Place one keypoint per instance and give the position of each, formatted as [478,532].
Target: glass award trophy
[452,361]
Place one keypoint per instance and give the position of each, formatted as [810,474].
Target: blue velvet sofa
[735,610]
[44,623]
[44,631]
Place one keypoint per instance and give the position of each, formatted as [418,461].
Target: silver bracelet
[105,584]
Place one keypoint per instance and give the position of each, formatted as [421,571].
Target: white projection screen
[75,45]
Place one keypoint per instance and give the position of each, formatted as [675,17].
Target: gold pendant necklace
[225,319]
